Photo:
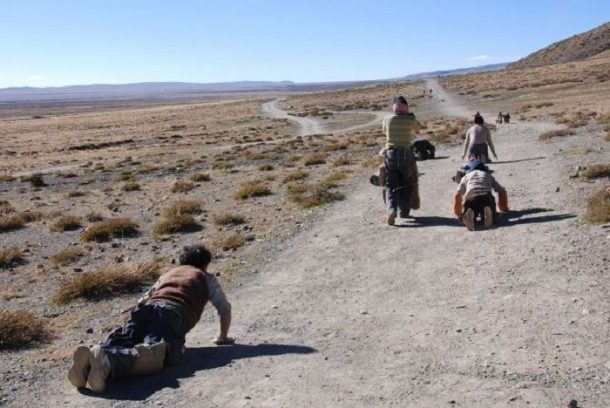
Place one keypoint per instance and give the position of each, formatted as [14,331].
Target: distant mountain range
[590,44]
[186,90]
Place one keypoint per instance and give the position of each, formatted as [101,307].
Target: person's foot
[488,217]
[468,219]
[391,218]
[80,367]
[404,214]
[100,369]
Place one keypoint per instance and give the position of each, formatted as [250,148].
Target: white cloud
[481,57]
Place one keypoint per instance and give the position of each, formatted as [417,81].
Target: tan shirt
[478,182]
[399,130]
[478,134]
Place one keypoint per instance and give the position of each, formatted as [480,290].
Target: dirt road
[354,313]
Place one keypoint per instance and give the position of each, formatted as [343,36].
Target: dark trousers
[479,202]
[400,176]
[148,324]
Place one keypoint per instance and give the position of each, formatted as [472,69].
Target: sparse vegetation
[198,177]
[342,161]
[5,178]
[308,196]
[20,328]
[174,223]
[66,256]
[555,133]
[182,207]
[10,257]
[11,222]
[94,217]
[332,179]
[230,242]
[265,167]
[182,186]
[252,189]
[132,186]
[66,223]
[295,176]
[598,207]
[113,227]
[228,219]
[6,207]
[76,193]
[106,282]
[314,159]
[36,180]
[596,171]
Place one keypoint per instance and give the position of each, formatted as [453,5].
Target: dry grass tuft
[20,328]
[132,186]
[175,223]
[252,189]
[596,171]
[182,207]
[230,242]
[36,180]
[342,161]
[10,257]
[295,176]
[76,193]
[6,207]
[308,196]
[314,159]
[114,227]
[94,217]
[265,167]
[228,219]
[11,223]
[66,256]
[66,223]
[555,133]
[598,207]
[106,282]
[5,178]
[198,177]
[182,186]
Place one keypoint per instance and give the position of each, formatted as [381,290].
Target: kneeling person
[476,188]
[155,332]
[422,149]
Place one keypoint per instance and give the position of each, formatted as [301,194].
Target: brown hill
[578,47]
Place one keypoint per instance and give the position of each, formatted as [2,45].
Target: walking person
[478,141]
[401,177]
[155,333]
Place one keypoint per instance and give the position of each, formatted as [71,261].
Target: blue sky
[59,42]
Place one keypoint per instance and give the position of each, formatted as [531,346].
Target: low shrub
[265,167]
[598,207]
[228,219]
[6,207]
[198,177]
[11,222]
[314,159]
[252,189]
[36,180]
[106,282]
[10,257]
[182,207]
[94,217]
[230,242]
[132,186]
[342,161]
[182,187]
[21,328]
[5,178]
[555,133]
[308,196]
[76,193]
[113,227]
[295,176]
[596,171]
[175,223]
[66,256]
[66,223]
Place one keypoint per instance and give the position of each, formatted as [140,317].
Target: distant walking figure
[507,118]
[477,141]
[499,118]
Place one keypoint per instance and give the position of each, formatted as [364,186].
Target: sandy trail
[354,313]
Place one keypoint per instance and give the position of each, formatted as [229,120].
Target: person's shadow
[433,221]
[516,217]
[138,388]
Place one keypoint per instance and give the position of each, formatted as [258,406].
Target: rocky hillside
[578,47]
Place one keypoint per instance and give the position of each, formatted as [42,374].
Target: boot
[80,367]
[415,202]
[391,217]
[469,219]
[150,358]
[488,217]
[100,369]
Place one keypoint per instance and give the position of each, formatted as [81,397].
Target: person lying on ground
[478,201]
[422,149]
[478,138]
[401,174]
[154,335]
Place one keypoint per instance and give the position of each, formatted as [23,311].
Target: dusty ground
[351,312]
